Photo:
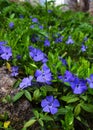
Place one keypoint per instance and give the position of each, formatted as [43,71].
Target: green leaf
[87,107]
[36,94]
[24,129]
[61,111]
[70,98]
[77,110]
[69,61]
[41,122]
[18,96]
[46,118]
[69,118]
[28,95]
[16,84]
[36,114]
[33,65]
[29,123]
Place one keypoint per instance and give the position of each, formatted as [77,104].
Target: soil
[18,112]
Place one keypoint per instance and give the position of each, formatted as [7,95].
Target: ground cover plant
[50,54]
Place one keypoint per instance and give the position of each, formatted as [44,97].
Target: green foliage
[25,33]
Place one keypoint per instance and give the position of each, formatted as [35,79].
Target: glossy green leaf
[41,122]
[36,114]
[77,110]
[18,96]
[46,118]
[36,94]
[29,123]
[28,95]
[70,98]
[87,107]
[69,118]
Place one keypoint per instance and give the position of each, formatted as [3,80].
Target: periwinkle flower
[18,57]
[34,20]
[14,71]
[11,25]
[6,52]
[83,48]
[70,40]
[85,39]
[90,81]
[68,77]
[44,75]
[34,37]
[49,11]
[46,42]
[41,27]
[78,86]
[59,39]
[21,16]
[32,26]
[26,82]
[3,43]
[50,104]
[63,60]
[37,54]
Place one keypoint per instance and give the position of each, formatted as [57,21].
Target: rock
[18,112]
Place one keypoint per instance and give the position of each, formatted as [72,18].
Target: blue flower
[2,43]
[34,20]
[50,104]
[26,82]
[83,48]
[68,77]
[78,86]
[14,71]
[63,60]
[6,52]
[59,39]
[18,57]
[37,54]
[90,81]
[46,42]
[70,40]
[85,39]
[21,16]
[49,11]
[11,25]
[34,37]
[40,26]
[44,75]
[32,26]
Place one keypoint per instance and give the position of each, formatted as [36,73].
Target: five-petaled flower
[90,81]
[11,25]
[44,75]
[6,52]
[34,20]
[78,86]
[70,40]
[37,54]
[14,71]
[83,48]
[46,42]
[26,82]
[50,104]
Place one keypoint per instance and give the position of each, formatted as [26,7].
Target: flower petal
[53,110]
[44,103]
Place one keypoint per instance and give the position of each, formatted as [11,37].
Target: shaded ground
[20,111]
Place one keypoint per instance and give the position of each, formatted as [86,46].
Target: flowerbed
[49,53]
